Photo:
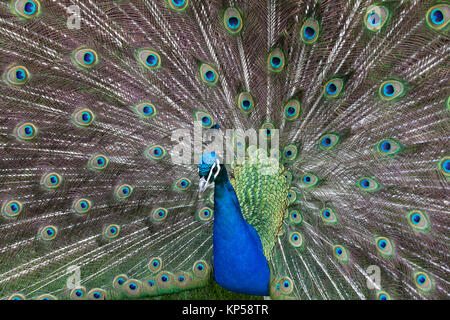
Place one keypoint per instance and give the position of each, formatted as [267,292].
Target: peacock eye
[155,264]
[155,152]
[25,131]
[85,58]
[333,88]
[340,253]
[178,5]
[388,147]
[81,206]
[276,60]
[159,214]
[98,162]
[123,191]
[284,285]
[132,287]
[111,231]
[78,293]
[233,20]
[145,110]
[16,75]
[200,269]
[290,153]
[328,216]
[310,31]
[208,74]
[385,247]
[382,295]
[423,282]
[119,281]
[205,119]
[296,239]
[48,233]
[295,217]
[309,180]
[292,109]
[444,166]
[27,9]
[205,214]
[83,117]
[149,58]
[96,294]
[437,17]
[368,184]
[288,175]
[51,180]
[328,141]
[182,184]
[292,196]
[245,102]
[376,17]
[267,129]
[419,220]
[11,209]
[391,89]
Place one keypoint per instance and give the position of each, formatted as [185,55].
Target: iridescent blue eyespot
[89,58]
[149,58]
[159,214]
[16,75]
[178,5]
[444,166]
[123,191]
[232,20]
[376,17]
[208,74]
[111,231]
[368,184]
[276,60]
[437,17]
[310,31]
[26,9]
[48,233]
[85,58]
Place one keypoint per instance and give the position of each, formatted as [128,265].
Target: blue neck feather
[239,262]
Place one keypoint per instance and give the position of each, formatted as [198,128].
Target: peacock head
[208,170]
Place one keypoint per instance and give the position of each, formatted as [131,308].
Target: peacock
[291,149]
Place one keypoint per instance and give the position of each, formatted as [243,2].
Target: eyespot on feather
[11,209]
[292,110]
[83,117]
[85,58]
[51,180]
[232,20]
[27,9]
[310,31]
[368,184]
[438,16]
[81,206]
[376,17]
[276,60]
[178,5]
[208,74]
[16,75]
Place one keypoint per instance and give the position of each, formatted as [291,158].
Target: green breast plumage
[262,190]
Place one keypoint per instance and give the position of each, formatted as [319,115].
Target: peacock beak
[204,183]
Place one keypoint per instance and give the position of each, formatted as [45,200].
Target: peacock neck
[239,262]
